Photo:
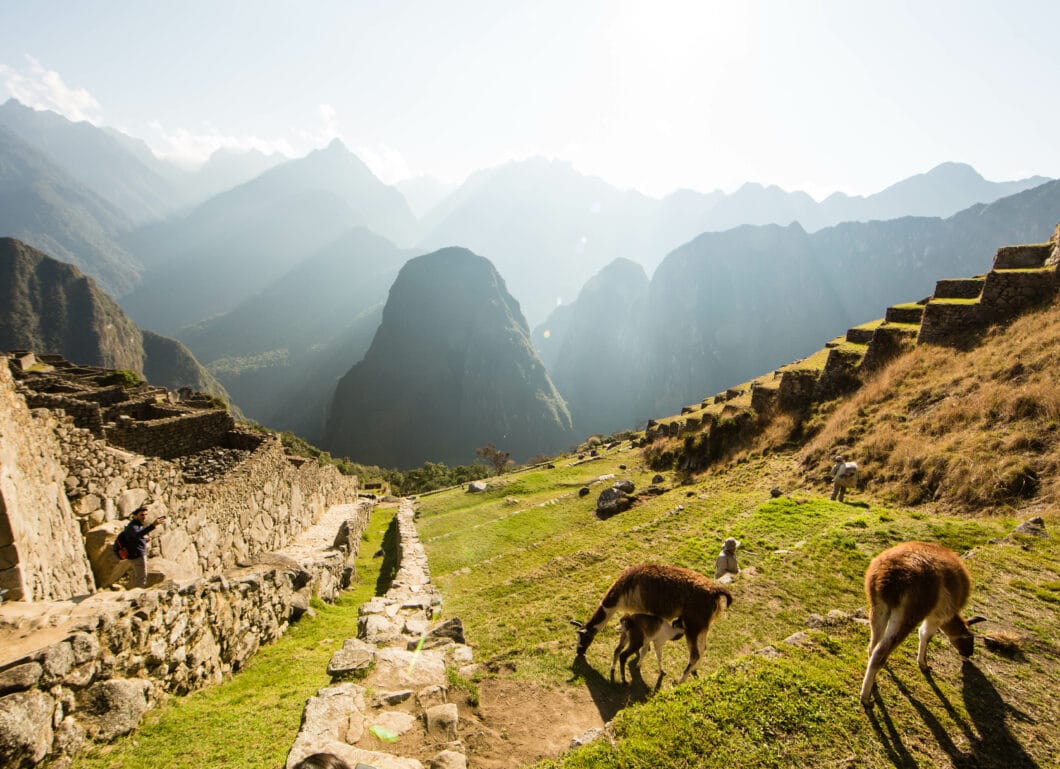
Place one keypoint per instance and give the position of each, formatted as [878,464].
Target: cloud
[387,163]
[192,148]
[44,89]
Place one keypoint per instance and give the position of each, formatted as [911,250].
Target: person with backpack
[133,539]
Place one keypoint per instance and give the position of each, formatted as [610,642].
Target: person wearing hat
[134,537]
[844,476]
[726,563]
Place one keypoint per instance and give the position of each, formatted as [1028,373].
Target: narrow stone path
[388,704]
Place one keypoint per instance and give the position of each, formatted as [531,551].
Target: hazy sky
[820,96]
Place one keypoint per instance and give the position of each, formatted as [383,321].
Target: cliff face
[49,306]
[450,369]
[41,555]
[599,347]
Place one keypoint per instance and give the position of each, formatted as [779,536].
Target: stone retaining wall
[400,663]
[121,651]
[41,553]
[946,323]
[172,436]
[259,506]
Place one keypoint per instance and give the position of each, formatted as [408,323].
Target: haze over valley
[678,268]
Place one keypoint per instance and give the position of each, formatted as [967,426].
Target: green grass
[250,721]
[515,575]
[814,362]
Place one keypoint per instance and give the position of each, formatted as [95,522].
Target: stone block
[25,727]
[442,721]
[20,677]
[354,657]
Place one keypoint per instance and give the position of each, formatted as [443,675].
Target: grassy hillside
[518,562]
[778,686]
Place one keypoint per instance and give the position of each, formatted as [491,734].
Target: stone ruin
[1022,277]
[252,534]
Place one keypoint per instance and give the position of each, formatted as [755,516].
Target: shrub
[123,378]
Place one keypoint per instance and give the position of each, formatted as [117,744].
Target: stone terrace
[400,693]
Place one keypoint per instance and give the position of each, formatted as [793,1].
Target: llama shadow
[990,742]
[609,697]
[888,735]
[996,745]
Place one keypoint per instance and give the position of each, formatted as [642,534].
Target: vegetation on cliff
[451,368]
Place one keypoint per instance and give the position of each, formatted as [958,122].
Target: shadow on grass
[888,735]
[391,558]
[991,744]
[609,697]
[996,746]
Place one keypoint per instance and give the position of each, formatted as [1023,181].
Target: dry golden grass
[973,430]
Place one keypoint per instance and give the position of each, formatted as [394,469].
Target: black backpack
[120,549]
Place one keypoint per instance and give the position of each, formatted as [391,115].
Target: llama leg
[927,630]
[892,636]
[692,636]
[658,644]
[614,658]
[878,616]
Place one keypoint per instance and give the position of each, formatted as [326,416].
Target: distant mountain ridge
[236,243]
[727,306]
[280,352]
[123,170]
[549,228]
[48,306]
[42,205]
[450,369]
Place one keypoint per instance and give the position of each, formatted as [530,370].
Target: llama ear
[976,620]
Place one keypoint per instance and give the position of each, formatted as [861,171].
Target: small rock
[586,737]
[657,478]
[775,492]
[1034,527]
[442,720]
[384,699]
[430,696]
[448,759]
[769,652]
[583,491]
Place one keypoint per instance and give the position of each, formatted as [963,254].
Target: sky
[821,96]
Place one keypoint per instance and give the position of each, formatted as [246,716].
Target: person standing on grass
[134,537]
[844,476]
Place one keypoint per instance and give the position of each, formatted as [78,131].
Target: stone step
[904,313]
[858,335]
[1022,257]
[959,288]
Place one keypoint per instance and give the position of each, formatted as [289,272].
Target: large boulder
[25,727]
[99,546]
[112,708]
[612,501]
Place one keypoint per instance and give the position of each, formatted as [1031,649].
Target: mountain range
[275,272]
[727,306]
[48,306]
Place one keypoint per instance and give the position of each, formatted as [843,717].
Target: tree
[494,457]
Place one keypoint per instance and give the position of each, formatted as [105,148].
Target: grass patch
[250,721]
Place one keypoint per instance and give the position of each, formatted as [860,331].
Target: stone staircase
[1022,277]
[389,693]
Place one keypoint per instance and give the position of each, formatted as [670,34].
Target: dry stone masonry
[252,534]
[391,680]
[94,666]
